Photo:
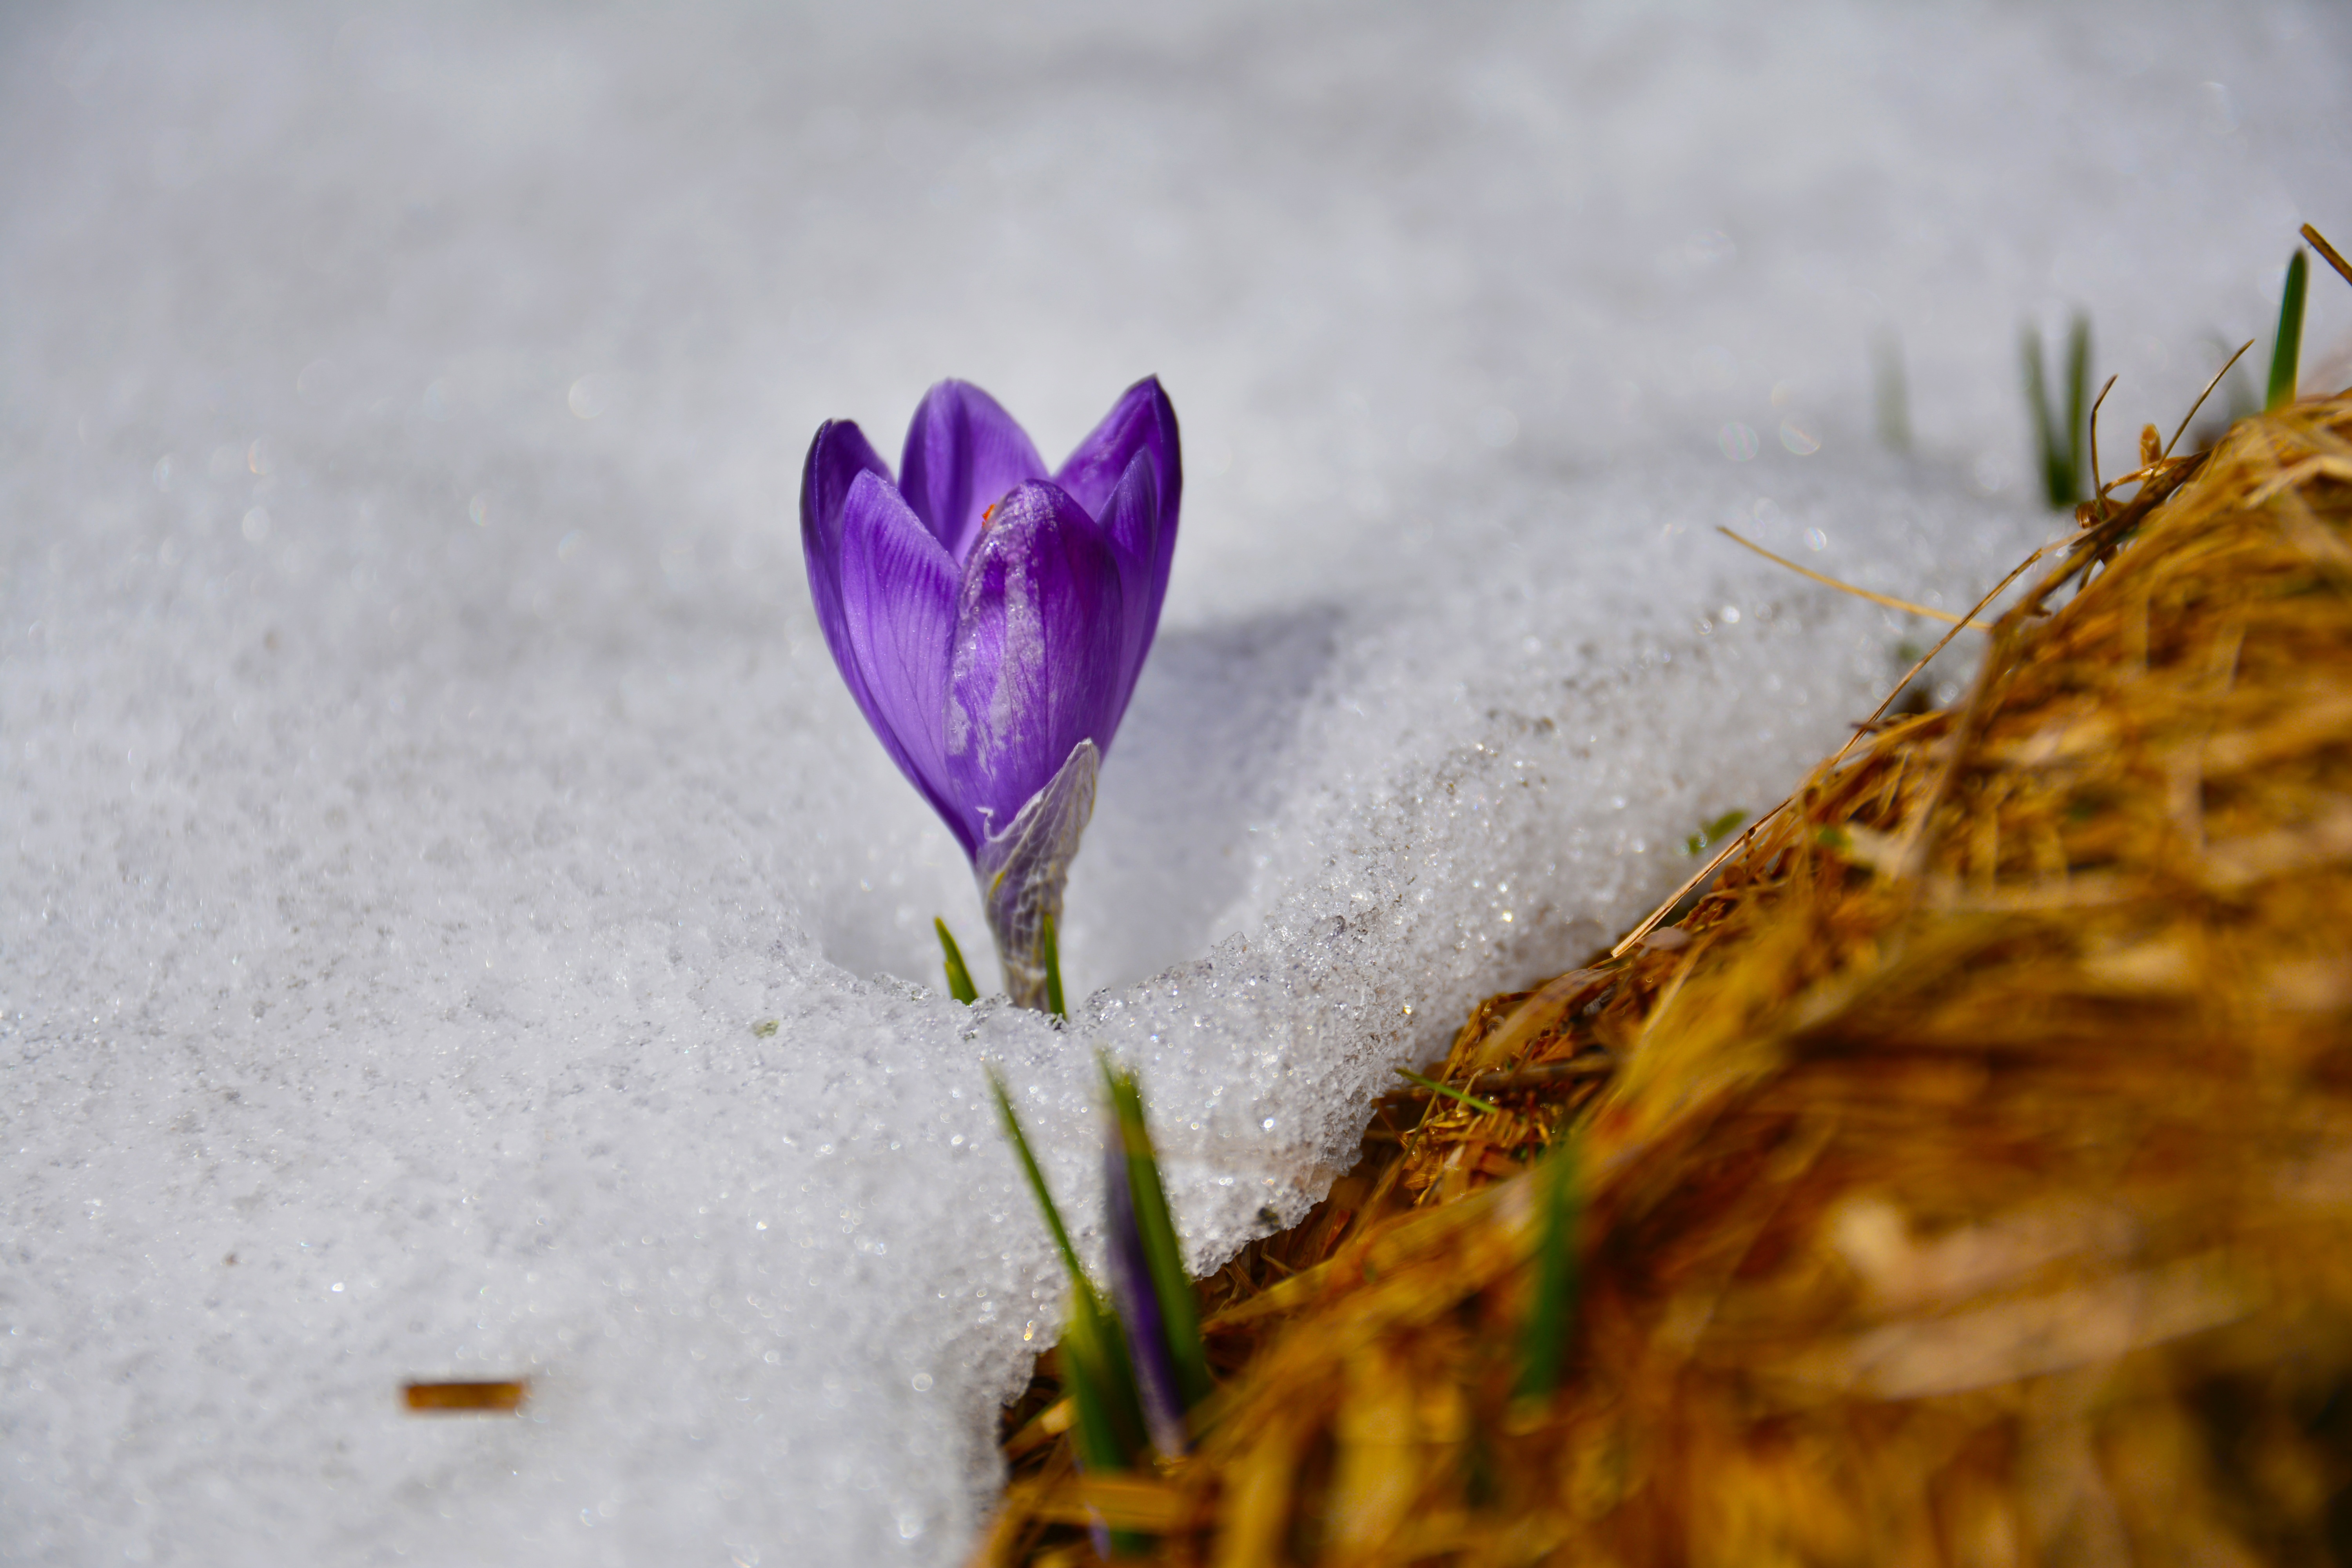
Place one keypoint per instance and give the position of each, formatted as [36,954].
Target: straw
[1970,1180]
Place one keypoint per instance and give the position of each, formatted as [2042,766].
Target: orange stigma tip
[989,513]
[464,1398]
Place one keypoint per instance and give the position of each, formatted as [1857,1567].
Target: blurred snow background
[454,922]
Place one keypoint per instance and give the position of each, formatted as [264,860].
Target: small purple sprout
[1150,1289]
[1136,1297]
[990,622]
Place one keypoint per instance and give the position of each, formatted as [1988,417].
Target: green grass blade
[1716,831]
[1109,1430]
[1553,1314]
[1890,390]
[1037,1181]
[1052,944]
[1431,1084]
[1179,1318]
[2055,485]
[2078,405]
[2061,441]
[2287,352]
[960,985]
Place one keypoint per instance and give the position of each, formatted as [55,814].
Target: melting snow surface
[454,920]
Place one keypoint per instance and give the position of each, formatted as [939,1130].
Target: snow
[455,921]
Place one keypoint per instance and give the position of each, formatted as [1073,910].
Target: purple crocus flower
[991,620]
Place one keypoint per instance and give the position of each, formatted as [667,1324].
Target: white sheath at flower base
[1023,871]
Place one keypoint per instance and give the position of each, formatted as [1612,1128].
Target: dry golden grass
[1969,1171]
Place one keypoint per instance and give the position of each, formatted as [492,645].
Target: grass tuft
[1890,390]
[1553,1318]
[2288,351]
[1713,831]
[960,985]
[1179,1316]
[1107,1427]
[2060,444]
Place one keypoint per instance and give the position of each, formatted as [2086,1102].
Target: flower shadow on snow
[1204,754]
[1202,759]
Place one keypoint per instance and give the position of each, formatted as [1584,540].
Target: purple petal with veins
[899,600]
[1040,649]
[838,455]
[964,452]
[1130,521]
[1142,420]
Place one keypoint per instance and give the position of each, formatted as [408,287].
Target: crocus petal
[964,453]
[1040,647]
[1142,420]
[1131,519]
[898,609]
[1136,511]
[838,455]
